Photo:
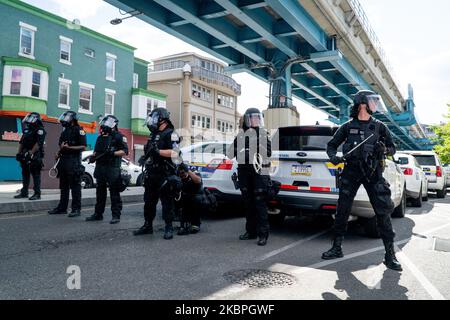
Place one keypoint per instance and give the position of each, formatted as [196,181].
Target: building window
[36,84]
[135,80]
[149,106]
[224,126]
[155,104]
[201,92]
[64,92]
[27,33]
[65,49]
[225,101]
[89,52]
[109,101]
[201,122]
[16,81]
[110,67]
[85,101]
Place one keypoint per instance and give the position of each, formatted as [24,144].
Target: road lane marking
[426,284]
[292,245]
[24,216]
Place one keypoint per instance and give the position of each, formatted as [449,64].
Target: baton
[53,172]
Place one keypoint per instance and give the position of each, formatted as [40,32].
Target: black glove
[142,160]
[154,150]
[92,159]
[19,157]
[109,153]
[336,160]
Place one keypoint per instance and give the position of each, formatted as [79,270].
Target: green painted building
[50,65]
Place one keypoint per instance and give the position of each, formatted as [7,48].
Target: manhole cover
[255,278]
[441,245]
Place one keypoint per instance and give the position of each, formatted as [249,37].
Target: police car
[416,180]
[88,180]
[434,170]
[309,180]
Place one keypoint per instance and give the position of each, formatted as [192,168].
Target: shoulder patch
[174,137]
[124,139]
[40,132]
[82,133]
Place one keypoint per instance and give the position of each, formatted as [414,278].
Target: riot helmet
[32,118]
[67,117]
[155,119]
[253,118]
[108,123]
[374,103]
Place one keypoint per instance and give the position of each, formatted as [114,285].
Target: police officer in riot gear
[109,149]
[364,164]
[161,153]
[252,149]
[31,154]
[192,200]
[72,143]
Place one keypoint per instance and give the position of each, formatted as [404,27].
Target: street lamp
[178,83]
[132,13]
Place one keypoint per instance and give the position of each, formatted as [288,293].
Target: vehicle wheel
[370,227]
[417,202]
[277,219]
[441,193]
[86,181]
[139,180]
[400,211]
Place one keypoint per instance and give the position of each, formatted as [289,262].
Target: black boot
[390,260]
[168,232]
[74,213]
[247,236]
[336,251]
[115,220]
[21,196]
[184,229]
[262,240]
[36,196]
[147,228]
[95,217]
[57,211]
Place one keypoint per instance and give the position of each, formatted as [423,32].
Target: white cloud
[80,9]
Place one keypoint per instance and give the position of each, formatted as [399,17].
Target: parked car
[434,170]
[416,180]
[447,170]
[88,180]
[309,180]
[199,155]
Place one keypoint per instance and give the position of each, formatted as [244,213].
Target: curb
[44,205]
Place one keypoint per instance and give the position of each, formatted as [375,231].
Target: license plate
[301,170]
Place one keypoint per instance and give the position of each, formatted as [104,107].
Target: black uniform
[364,166]
[32,164]
[70,168]
[192,200]
[157,170]
[107,172]
[253,184]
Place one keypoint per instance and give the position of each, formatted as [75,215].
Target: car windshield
[425,160]
[304,138]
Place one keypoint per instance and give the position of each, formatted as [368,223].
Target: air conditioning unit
[26,50]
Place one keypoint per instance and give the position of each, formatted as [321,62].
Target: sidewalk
[50,199]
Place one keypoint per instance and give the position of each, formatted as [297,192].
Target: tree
[442,147]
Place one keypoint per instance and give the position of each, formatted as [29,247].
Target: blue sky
[414,34]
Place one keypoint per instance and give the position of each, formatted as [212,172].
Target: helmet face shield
[376,104]
[109,122]
[254,120]
[66,118]
[30,118]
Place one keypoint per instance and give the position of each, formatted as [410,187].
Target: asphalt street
[37,250]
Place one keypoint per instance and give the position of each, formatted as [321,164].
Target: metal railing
[170,65]
[367,27]
[216,78]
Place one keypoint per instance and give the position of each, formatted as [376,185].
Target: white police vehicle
[416,180]
[309,180]
[88,180]
[434,170]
